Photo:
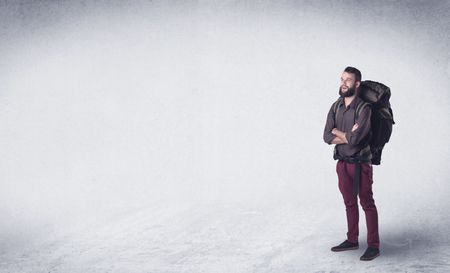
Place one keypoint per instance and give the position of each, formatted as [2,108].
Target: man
[348,126]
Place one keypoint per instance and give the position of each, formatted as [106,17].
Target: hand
[355,127]
[334,131]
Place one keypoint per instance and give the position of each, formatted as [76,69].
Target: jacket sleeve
[327,135]
[363,121]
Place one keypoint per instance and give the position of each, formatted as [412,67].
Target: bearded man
[348,127]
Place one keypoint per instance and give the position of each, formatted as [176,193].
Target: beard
[350,92]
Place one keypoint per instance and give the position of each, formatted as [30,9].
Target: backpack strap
[336,108]
[365,153]
[359,108]
[335,111]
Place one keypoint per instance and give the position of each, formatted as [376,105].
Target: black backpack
[376,95]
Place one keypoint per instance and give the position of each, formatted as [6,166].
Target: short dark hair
[354,71]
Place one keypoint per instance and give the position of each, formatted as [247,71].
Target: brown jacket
[344,121]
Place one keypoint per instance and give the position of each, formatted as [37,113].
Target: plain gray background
[196,126]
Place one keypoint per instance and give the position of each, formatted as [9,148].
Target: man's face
[348,85]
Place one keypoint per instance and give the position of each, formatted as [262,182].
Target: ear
[358,83]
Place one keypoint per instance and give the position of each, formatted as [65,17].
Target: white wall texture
[111,106]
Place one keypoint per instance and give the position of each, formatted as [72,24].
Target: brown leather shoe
[346,245]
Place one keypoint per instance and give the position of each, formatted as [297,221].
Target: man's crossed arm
[340,136]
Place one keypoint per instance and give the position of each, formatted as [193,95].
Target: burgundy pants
[345,173]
